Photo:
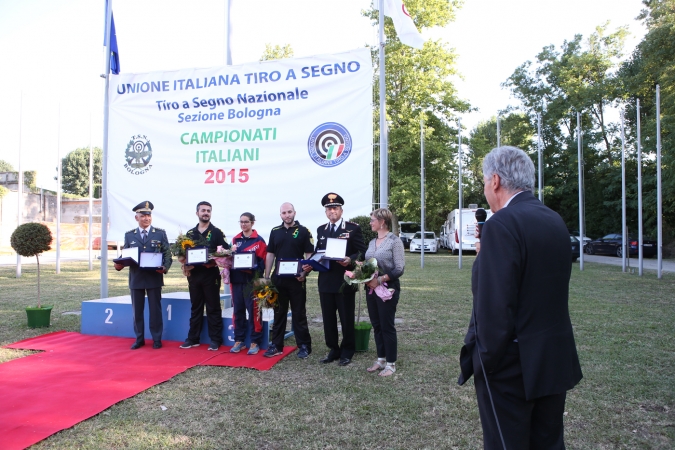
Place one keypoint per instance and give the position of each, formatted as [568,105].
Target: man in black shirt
[290,240]
[204,283]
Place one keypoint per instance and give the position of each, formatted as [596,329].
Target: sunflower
[187,243]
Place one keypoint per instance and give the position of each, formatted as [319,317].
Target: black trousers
[344,304]
[291,291]
[534,424]
[205,291]
[382,316]
[154,310]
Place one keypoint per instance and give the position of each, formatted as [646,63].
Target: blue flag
[114,51]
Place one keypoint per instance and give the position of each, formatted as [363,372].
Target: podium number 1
[168,312]
[110,314]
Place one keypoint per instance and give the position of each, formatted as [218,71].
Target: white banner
[244,138]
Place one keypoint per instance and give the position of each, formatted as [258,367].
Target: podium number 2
[110,313]
[168,312]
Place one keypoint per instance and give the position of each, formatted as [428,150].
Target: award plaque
[129,257]
[317,261]
[151,261]
[244,260]
[197,255]
[289,268]
[336,249]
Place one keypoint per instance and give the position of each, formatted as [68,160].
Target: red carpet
[241,359]
[78,376]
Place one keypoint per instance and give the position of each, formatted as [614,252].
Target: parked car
[576,247]
[611,245]
[406,231]
[430,242]
[577,235]
[96,244]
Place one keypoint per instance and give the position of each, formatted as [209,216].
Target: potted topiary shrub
[31,239]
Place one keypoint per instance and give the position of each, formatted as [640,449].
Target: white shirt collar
[512,197]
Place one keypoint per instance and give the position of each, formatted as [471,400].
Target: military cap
[332,199]
[145,207]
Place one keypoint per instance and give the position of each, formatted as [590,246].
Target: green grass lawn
[625,331]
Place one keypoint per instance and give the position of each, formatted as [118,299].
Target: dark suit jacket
[156,242]
[520,285]
[332,280]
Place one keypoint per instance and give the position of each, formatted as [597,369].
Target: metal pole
[104,162]
[659,199]
[639,181]
[540,153]
[228,32]
[19,189]
[58,196]
[422,188]
[91,195]
[499,133]
[460,232]
[624,230]
[384,156]
[581,197]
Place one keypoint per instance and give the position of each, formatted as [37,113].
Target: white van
[468,232]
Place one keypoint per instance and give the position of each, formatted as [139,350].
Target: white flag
[403,23]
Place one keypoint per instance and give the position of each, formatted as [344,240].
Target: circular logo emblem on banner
[329,144]
[138,155]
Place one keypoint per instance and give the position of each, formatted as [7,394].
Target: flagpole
[540,161]
[384,156]
[58,196]
[659,200]
[91,194]
[459,230]
[422,188]
[228,32]
[19,189]
[499,133]
[624,230]
[104,162]
[639,180]
[581,196]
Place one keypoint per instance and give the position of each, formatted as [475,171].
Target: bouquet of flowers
[362,273]
[265,294]
[223,257]
[183,243]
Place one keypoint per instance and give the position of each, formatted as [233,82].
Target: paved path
[647,263]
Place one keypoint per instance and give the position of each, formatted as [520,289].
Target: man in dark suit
[141,281]
[520,344]
[330,282]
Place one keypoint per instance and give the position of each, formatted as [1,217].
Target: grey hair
[514,167]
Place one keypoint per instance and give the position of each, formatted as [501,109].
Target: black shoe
[272,351]
[138,344]
[329,359]
[189,344]
[344,361]
[214,346]
[157,344]
[304,352]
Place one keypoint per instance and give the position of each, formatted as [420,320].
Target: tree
[5,166]
[276,52]
[652,63]
[418,87]
[581,76]
[515,129]
[75,172]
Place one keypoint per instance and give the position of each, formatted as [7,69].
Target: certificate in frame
[196,256]
[244,260]
[150,261]
[336,249]
[288,268]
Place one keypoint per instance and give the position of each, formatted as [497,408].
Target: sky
[51,53]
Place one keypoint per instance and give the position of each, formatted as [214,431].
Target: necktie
[145,235]
[332,232]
